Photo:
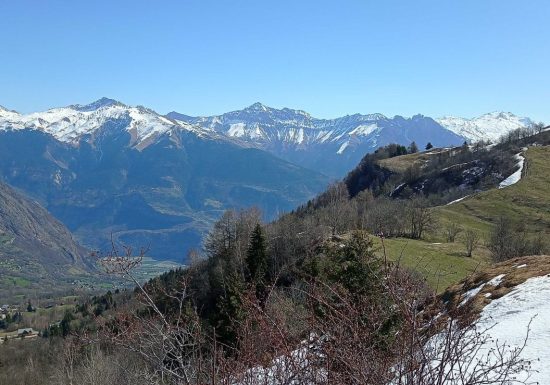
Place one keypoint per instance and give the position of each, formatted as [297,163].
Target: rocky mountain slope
[332,146]
[107,168]
[35,247]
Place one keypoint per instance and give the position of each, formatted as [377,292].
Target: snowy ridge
[271,128]
[278,130]
[260,123]
[488,127]
[70,124]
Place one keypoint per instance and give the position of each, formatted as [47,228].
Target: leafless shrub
[451,231]
[471,241]
[338,336]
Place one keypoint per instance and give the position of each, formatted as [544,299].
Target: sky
[330,58]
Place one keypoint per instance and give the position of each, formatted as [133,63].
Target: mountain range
[329,146]
[335,146]
[106,169]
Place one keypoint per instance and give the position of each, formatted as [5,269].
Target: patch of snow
[397,189]
[364,130]
[497,280]
[521,266]
[457,200]
[342,148]
[506,321]
[325,135]
[300,136]
[516,176]
[292,369]
[471,294]
[236,130]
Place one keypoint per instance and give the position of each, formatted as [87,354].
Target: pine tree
[256,256]
[230,310]
[429,146]
[256,261]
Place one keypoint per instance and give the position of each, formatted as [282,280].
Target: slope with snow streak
[516,176]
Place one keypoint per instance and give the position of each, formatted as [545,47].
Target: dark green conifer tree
[256,256]
[257,263]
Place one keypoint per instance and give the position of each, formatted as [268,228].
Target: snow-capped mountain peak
[100,103]
[70,124]
[490,126]
[295,134]
[257,107]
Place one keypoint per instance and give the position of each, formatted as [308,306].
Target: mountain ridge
[160,185]
[36,248]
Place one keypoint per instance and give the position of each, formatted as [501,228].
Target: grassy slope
[401,163]
[528,200]
[443,264]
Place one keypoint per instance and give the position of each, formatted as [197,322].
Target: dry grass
[400,164]
[515,271]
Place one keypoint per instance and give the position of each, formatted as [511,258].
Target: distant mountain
[489,127]
[76,122]
[332,146]
[107,168]
[35,247]
[158,180]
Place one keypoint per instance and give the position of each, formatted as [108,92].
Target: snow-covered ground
[294,369]
[511,315]
[516,176]
[505,321]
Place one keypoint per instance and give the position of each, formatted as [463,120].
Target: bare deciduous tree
[471,241]
[337,207]
[420,218]
[339,336]
[451,231]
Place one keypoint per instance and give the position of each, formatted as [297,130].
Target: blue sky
[330,58]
